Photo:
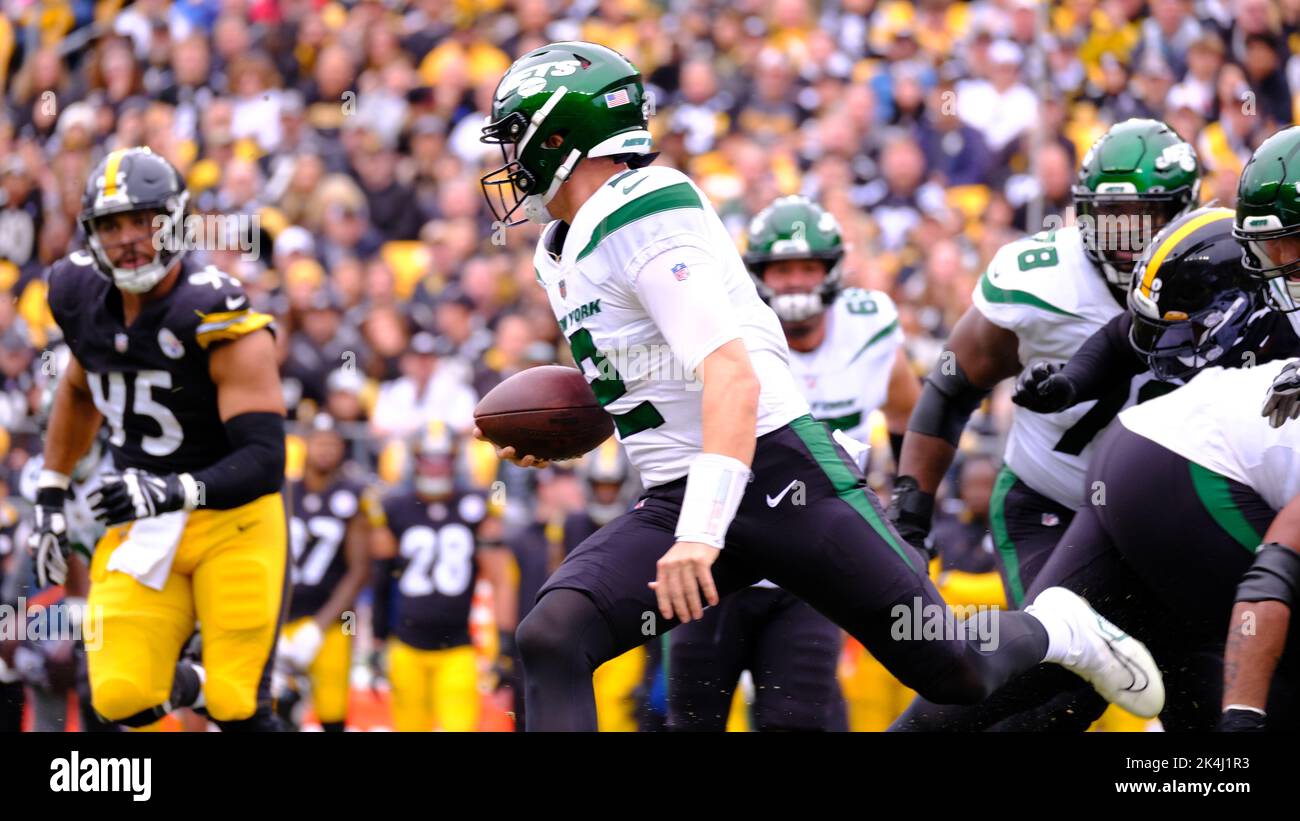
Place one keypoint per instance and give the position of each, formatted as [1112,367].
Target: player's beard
[802,328]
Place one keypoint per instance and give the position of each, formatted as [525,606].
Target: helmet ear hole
[555,140]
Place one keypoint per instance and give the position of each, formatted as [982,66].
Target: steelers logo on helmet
[126,181]
[1191,301]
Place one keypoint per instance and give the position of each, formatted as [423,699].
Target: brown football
[548,411]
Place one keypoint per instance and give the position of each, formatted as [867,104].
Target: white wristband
[52,478]
[714,488]
[192,496]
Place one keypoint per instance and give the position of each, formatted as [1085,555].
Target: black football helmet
[1191,299]
[136,179]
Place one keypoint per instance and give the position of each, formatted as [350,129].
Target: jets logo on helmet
[1133,181]
[795,228]
[555,106]
[125,181]
[1268,219]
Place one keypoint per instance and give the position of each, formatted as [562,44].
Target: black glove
[910,512]
[136,494]
[1236,720]
[48,542]
[1283,400]
[1044,389]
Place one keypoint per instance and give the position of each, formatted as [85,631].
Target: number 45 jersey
[151,380]
[1046,291]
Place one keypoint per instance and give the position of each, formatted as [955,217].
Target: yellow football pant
[228,573]
[433,688]
[329,673]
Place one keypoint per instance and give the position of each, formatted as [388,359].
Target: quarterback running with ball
[693,367]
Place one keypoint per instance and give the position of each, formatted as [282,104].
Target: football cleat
[1118,666]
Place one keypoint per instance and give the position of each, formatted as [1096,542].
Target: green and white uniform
[626,282]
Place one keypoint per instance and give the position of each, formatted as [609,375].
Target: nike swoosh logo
[233,302]
[774,502]
[627,189]
[242,526]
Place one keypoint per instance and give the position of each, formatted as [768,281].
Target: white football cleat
[1118,666]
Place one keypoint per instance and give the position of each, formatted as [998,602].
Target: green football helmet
[1134,181]
[795,228]
[556,105]
[1268,208]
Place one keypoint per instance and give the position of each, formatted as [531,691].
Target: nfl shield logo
[1051,520]
[564,292]
[681,271]
[119,343]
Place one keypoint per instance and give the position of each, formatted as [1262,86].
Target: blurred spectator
[422,394]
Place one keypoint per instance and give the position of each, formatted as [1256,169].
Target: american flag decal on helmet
[617,98]
[681,271]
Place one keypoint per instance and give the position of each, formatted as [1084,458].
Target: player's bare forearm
[729,402]
[1257,632]
[74,421]
[356,546]
[1256,639]
[904,390]
[246,375]
[979,356]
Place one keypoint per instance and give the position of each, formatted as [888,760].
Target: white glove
[1283,400]
[300,650]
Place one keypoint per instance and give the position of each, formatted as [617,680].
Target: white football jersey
[645,284]
[847,376]
[1214,421]
[1047,292]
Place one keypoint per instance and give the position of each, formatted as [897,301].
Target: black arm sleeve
[255,466]
[1104,359]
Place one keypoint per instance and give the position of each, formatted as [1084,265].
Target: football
[548,411]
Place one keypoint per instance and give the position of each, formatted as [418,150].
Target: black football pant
[790,650]
[1159,551]
[825,539]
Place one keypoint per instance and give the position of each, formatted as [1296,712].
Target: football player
[693,367]
[847,357]
[1040,298]
[432,543]
[1191,305]
[1268,227]
[1227,527]
[329,540]
[170,355]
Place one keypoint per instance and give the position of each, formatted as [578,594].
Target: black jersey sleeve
[214,308]
[1104,359]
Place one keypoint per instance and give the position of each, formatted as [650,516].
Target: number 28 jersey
[1046,291]
[150,380]
[435,567]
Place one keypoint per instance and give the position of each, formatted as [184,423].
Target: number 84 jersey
[435,567]
[1046,291]
[150,380]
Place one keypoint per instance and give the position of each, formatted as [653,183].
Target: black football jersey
[151,380]
[435,569]
[318,526]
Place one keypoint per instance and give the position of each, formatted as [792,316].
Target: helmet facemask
[1116,226]
[1179,345]
[168,221]
[533,168]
